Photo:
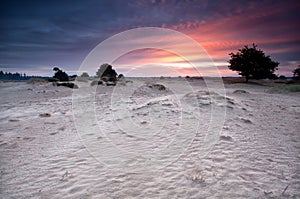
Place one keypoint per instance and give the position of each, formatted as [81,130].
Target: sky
[38,35]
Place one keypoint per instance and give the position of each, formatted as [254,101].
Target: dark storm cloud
[54,32]
[38,31]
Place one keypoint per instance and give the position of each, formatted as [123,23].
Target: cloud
[63,32]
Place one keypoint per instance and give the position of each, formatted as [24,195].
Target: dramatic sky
[38,35]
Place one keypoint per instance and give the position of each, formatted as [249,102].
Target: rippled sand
[140,140]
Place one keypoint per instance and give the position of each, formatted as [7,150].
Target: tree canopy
[296,73]
[252,63]
[106,70]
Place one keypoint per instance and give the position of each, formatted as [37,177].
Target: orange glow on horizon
[160,60]
[218,39]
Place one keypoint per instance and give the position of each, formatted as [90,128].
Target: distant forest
[15,76]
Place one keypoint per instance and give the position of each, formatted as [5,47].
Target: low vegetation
[37,80]
[285,88]
[60,75]
[67,84]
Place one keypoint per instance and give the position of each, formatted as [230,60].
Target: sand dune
[148,138]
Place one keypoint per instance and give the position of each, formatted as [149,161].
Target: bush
[67,84]
[60,75]
[121,76]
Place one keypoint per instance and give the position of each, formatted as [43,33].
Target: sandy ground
[139,140]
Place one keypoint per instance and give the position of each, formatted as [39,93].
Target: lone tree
[296,73]
[60,75]
[106,72]
[252,63]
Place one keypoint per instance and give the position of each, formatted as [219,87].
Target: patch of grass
[293,88]
[286,88]
[233,80]
[37,80]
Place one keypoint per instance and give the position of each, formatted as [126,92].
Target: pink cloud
[225,32]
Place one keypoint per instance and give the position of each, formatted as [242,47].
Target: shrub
[60,75]
[120,76]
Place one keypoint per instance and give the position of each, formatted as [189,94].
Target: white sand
[143,142]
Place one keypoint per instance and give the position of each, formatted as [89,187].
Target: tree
[60,75]
[296,73]
[252,63]
[106,70]
[84,74]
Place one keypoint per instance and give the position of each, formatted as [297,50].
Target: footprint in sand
[29,138]
[14,120]
[45,115]
[245,120]
[62,128]
[226,138]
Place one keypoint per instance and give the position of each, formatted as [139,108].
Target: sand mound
[158,101]
[205,98]
[151,90]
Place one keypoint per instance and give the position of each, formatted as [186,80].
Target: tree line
[15,76]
